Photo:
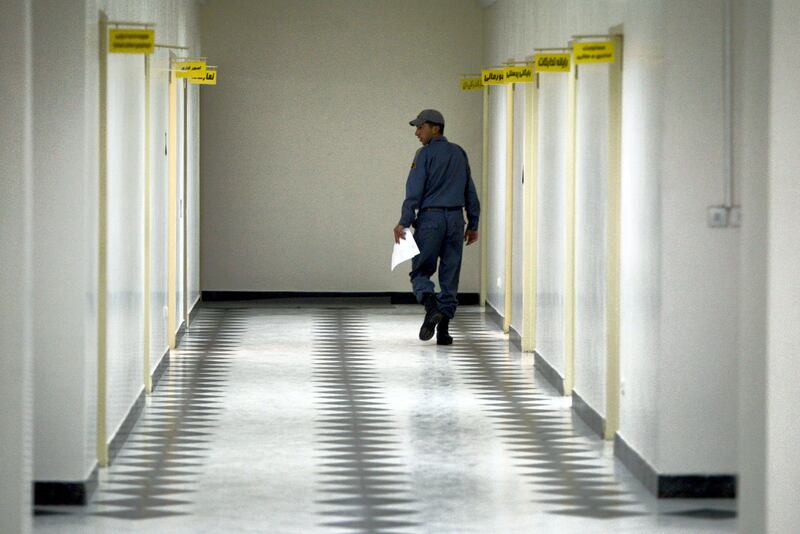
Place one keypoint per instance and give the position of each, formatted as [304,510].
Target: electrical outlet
[499,282]
[717,217]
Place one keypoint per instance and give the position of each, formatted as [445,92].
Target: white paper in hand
[405,250]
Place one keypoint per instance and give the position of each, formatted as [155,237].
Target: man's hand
[399,233]
[470,236]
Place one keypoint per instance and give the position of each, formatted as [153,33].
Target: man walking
[438,189]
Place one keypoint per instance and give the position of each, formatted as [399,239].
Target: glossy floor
[330,416]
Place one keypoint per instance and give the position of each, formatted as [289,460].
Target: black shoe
[432,317]
[443,336]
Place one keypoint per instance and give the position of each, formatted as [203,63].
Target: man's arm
[471,203]
[415,187]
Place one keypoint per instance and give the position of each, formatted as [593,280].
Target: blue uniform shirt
[440,178]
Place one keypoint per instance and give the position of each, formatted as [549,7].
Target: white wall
[519,196]
[591,262]
[783,282]
[194,187]
[66,146]
[551,202]
[699,297]
[159,194]
[65,241]
[15,280]
[305,140]
[679,292]
[125,178]
[176,24]
[181,192]
[494,207]
[641,225]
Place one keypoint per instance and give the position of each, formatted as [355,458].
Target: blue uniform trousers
[440,237]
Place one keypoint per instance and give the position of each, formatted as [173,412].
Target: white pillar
[751,42]
[783,276]
[15,280]
[65,167]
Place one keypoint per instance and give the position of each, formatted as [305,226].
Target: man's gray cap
[428,115]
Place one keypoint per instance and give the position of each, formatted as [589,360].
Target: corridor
[330,416]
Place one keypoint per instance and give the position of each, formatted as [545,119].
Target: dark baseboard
[514,339]
[65,493]
[394,297]
[638,466]
[594,420]
[469,299]
[696,486]
[121,436]
[405,298]
[673,486]
[493,314]
[548,372]
[160,369]
[180,333]
[119,439]
[195,309]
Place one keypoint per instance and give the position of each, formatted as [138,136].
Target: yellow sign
[471,84]
[493,76]
[209,79]
[551,62]
[190,69]
[596,52]
[519,74]
[131,41]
